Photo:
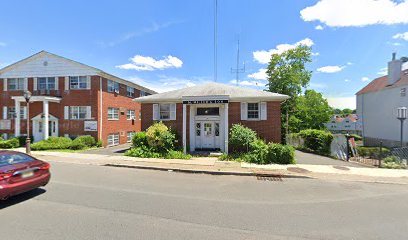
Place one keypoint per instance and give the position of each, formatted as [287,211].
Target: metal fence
[401,153]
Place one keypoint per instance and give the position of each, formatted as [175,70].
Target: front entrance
[207,135]
[38,127]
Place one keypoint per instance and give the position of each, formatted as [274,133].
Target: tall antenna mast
[238,70]
[215,39]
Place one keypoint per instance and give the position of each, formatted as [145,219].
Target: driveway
[118,150]
[308,158]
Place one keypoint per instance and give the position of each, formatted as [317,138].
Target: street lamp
[27,96]
[402,115]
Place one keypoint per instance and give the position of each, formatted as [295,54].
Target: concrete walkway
[213,166]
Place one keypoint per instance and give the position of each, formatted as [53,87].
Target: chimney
[394,69]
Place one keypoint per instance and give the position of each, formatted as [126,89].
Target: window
[46,83]
[403,92]
[77,112]
[198,129]
[130,115]
[142,93]
[14,158]
[15,83]
[217,129]
[130,92]
[213,111]
[164,111]
[130,136]
[11,113]
[113,139]
[253,110]
[113,113]
[78,82]
[113,86]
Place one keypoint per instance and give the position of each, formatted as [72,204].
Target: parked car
[21,173]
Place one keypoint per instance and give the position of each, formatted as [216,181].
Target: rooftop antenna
[215,39]
[238,70]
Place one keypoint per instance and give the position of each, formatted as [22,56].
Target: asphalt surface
[96,202]
[308,158]
[118,150]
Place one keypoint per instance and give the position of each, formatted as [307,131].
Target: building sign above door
[205,101]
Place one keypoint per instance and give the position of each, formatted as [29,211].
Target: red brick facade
[269,130]
[84,97]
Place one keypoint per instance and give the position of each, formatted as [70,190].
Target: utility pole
[238,70]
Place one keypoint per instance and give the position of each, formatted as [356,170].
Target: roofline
[99,71]
[147,99]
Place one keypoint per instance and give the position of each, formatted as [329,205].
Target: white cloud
[260,75]
[383,71]
[319,27]
[349,63]
[315,54]
[365,79]
[142,63]
[3,44]
[330,69]
[403,36]
[264,56]
[165,83]
[347,80]
[342,102]
[248,83]
[357,13]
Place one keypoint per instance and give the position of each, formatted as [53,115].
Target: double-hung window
[130,136]
[130,92]
[113,86]
[15,84]
[130,115]
[113,139]
[113,113]
[253,111]
[78,82]
[46,83]
[78,112]
[11,113]
[164,111]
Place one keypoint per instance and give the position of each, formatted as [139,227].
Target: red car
[20,173]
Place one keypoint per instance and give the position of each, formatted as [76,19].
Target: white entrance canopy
[45,100]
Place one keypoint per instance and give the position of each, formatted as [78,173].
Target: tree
[288,75]
[347,111]
[312,111]
[337,111]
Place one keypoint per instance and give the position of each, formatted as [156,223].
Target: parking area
[308,158]
[118,150]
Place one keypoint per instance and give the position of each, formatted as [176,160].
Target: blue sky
[166,45]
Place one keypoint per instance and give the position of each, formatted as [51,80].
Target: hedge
[86,140]
[11,143]
[372,152]
[241,137]
[52,143]
[316,141]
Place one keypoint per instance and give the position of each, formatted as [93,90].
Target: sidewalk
[211,165]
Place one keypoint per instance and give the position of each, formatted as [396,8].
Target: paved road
[95,202]
[308,158]
[118,150]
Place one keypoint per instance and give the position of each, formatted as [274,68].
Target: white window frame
[75,82]
[18,83]
[48,81]
[113,139]
[164,111]
[130,91]
[113,86]
[113,113]
[131,114]
[11,112]
[76,111]
[259,111]
[129,136]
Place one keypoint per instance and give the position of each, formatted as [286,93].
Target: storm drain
[270,179]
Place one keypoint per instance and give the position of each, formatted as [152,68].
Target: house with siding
[350,124]
[68,99]
[203,114]
[377,105]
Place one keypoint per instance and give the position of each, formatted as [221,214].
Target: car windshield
[13,158]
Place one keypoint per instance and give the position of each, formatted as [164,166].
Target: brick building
[203,114]
[68,99]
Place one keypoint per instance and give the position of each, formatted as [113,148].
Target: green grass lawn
[69,150]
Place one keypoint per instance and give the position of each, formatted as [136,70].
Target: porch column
[185,128]
[46,119]
[17,118]
[226,128]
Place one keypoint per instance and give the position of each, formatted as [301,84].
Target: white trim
[88,112]
[156,112]
[4,84]
[25,84]
[173,111]
[244,111]
[184,128]
[57,83]
[4,112]
[35,84]
[263,111]
[226,128]
[38,99]
[66,112]
[88,82]
[66,81]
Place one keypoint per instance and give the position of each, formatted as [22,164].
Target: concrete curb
[209,172]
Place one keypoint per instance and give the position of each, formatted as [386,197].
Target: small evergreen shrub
[77,146]
[142,152]
[258,151]
[52,143]
[393,162]
[159,137]
[140,139]
[241,137]
[280,154]
[99,143]
[317,141]
[86,140]
[372,152]
[11,143]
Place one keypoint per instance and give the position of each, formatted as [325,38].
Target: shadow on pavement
[21,198]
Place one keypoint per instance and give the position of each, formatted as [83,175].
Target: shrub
[258,152]
[86,140]
[393,162]
[77,145]
[139,139]
[372,152]
[172,154]
[241,137]
[1,139]
[11,143]
[281,154]
[99,143]
[52,143]
[317,141]
[159,138]
[142,152]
